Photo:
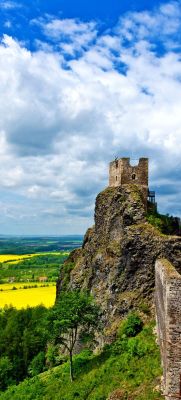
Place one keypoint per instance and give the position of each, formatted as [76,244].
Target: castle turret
[121,172]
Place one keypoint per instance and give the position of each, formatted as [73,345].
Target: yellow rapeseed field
[20,285]
[15,258]
[22,298]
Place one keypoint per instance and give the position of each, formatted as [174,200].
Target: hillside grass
[131,365]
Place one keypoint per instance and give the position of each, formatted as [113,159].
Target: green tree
[75,314]
[5,372]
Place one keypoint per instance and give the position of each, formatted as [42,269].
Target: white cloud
[154,26]
[63,121]
[71,35]
[9,5]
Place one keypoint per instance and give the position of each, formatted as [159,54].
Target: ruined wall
[168,312]
[122,173]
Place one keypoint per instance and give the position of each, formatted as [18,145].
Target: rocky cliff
[116,262]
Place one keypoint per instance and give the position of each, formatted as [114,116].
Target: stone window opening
[133,176]
[116,178]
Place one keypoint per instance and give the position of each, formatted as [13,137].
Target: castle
[121,172]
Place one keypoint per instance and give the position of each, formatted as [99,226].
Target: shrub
[37,364]
[131,326]
[144,307]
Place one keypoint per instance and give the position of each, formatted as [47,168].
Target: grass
[131,366]
[23,298]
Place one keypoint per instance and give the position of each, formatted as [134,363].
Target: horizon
[80,84]
[43,236]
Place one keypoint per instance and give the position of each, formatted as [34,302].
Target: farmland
[24,297]
[31,267]
[29,278]
[24,245]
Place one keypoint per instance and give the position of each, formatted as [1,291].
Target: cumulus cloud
[64,118]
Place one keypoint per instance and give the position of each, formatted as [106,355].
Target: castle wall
[121,172]
[168,313]
[115,173]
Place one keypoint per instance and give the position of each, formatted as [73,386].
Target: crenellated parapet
[121,173]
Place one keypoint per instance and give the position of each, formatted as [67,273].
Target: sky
[80,83]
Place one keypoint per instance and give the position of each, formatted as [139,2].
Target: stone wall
[168,312]
[121,172]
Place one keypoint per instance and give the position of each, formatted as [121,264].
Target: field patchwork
[16,258]
[29,279]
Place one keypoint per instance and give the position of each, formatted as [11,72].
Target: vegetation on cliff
[129,368]
[117,260]
[166,224]
[116,265]
[75,315]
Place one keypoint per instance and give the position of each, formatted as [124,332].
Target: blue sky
[79,84]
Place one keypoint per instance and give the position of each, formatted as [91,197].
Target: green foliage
[65,273]
[134,370]
[75,312]
[144,307]
[6,368]
[31,269]
[54,356]
[23,336]
[37,364]
[166,224]
[74,309]
[131,326]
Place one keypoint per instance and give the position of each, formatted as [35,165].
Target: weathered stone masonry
[121,173]
[168,311]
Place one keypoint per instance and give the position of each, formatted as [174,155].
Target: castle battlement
[121,172]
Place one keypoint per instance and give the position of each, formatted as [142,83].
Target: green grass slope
[129,367]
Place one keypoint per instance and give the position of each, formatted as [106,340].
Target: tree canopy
[74,315]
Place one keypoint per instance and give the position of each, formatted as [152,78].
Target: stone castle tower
[121,172]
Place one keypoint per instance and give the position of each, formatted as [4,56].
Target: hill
[116,265]
[117,260]
[127,369]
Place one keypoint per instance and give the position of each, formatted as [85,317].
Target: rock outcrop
[116,262]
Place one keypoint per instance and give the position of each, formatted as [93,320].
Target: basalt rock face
[116,262]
